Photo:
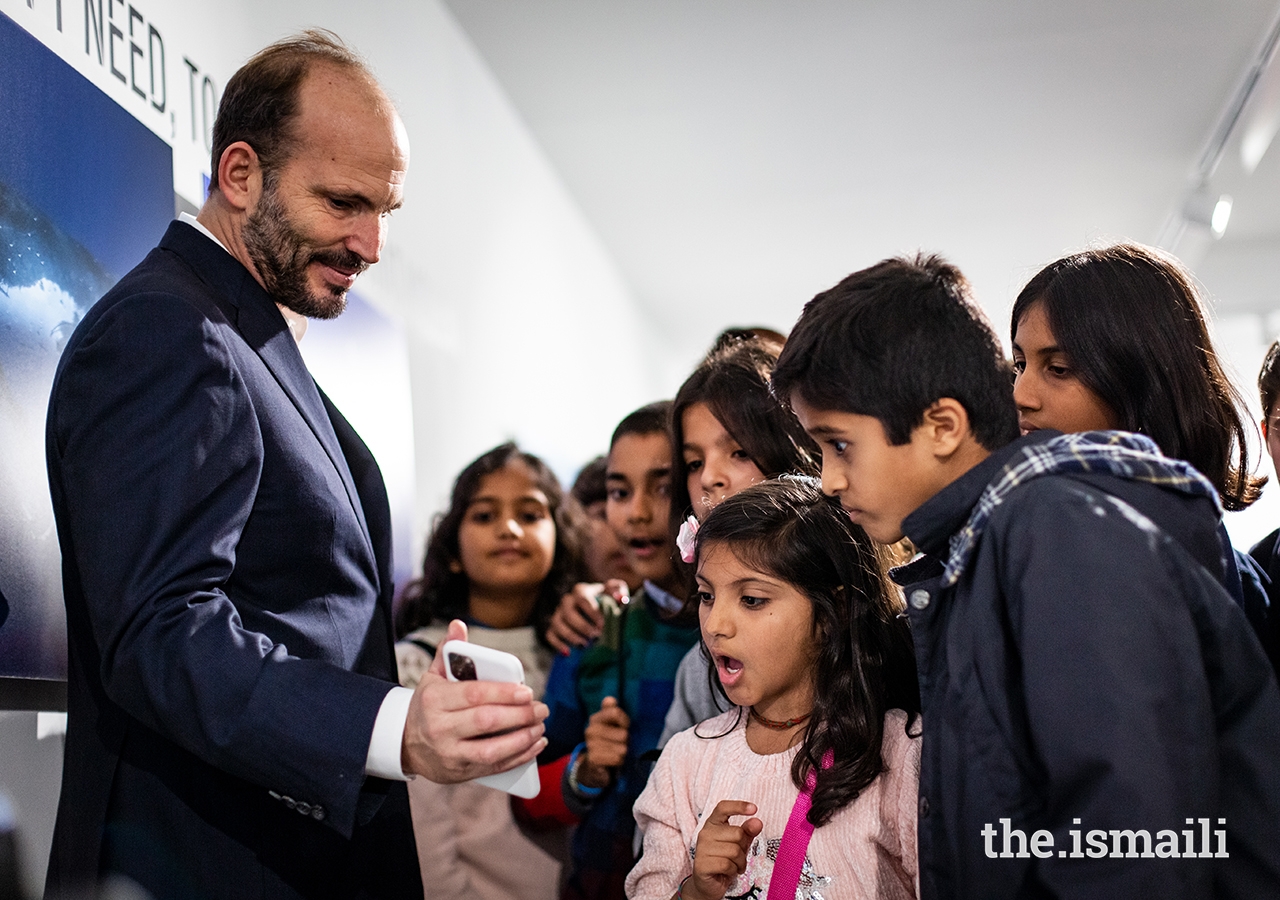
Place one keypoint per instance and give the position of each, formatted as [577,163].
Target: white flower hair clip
[687,539]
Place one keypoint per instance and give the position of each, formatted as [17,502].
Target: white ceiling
[737,156]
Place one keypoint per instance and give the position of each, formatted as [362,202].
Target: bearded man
[234,729]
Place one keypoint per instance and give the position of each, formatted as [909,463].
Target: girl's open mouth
[728,669]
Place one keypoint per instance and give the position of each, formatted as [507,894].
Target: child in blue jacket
[608,700]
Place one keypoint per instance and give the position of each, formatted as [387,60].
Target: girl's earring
[455,566]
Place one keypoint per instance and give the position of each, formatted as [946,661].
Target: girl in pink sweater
[808,789]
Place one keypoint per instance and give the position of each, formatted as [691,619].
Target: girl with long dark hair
[1125,325]
[447,590]
[818,758]
[1116,338]
[498,559]
[729,433]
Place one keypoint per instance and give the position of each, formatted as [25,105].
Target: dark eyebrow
[751,580]
[523,498]
[662,472]
[741,582]
[615,476]
[1043,351]
[348,196]
[358,199]
[823,431]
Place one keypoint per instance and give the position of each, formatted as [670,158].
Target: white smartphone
[464,661]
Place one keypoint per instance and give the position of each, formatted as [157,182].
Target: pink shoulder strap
[795,841]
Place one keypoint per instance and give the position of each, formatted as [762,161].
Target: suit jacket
[226,552]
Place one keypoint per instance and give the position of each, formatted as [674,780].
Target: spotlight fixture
[1208,210]
[1221,215]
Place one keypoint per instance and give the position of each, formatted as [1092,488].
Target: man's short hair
[890,341]
[1269,379]
[260,101]
[648,419]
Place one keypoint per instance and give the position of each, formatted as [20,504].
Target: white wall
[30,773]
[1241,279]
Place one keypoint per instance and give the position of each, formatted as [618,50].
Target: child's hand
[577,620]
[720,855]
[606,744]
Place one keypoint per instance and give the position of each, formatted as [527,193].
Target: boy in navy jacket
[1099,719]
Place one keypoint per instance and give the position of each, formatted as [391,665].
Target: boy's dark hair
[590,486]
[260,101]
[865,664]
[646,420]
[1269,379]
[733,381]
[441,593]
[890,341]
[1130,322]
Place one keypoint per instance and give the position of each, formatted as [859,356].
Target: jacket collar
[254,314]
[216,267]
[931,526]
[1118,454]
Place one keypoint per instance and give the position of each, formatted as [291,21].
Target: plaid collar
[1133,457]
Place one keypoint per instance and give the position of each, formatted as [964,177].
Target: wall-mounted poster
[85,192]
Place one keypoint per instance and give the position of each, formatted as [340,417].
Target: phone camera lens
[462,667]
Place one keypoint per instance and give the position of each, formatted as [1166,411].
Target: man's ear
[1264,428]
[240,176]
[946,425]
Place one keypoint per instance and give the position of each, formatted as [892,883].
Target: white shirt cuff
[388,736]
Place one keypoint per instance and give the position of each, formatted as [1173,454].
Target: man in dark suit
[234,729]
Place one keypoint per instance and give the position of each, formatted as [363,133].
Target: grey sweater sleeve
[694,700]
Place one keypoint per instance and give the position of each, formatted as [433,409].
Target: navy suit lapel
[254,314]
[377,656]
[280,353]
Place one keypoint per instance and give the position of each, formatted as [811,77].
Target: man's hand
[457,731]
[577,620]
[606,744]
[720,854]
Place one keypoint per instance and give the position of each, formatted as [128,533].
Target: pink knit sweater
[867,850]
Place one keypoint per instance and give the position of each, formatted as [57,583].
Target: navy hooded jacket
[1087,675]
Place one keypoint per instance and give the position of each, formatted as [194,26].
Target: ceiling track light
[1253,112]
[1208,210]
